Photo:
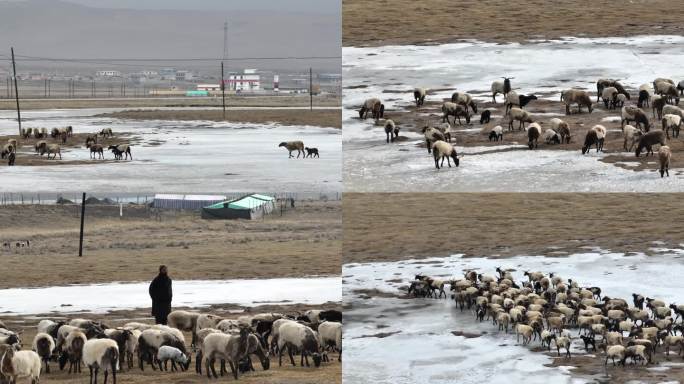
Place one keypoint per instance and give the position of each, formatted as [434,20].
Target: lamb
[644,97]
[297,336]
[44,346]
[72,350]
[615,351]
[432,135]
[673,122]
[311,152]
[464,99]
[533,133]
[184,321]
[167,353]
[503,87]
[595,136]
[648,139]
[631,135]
[419,96]
[602,84]
[231,348]
[629,113]
[551,137]
[620,100]
[496,133]
[391,130]
[101,354]
[485,116]
[291,146]
[562,128]
[374,106]
[20,364]
[576,96]
[521,115]
[442,150]
[330,333]
[455,110]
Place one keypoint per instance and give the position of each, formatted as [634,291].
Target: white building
[108,74]
[208,87]
[248,81]
[184,76]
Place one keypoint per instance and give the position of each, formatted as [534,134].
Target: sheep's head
[317,359]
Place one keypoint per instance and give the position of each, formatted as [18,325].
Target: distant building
[249,80]
[108,74]
[184,76]
[208,87]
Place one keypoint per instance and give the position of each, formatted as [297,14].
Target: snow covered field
[100,298]
[194,156]
[421,348]
[538,67]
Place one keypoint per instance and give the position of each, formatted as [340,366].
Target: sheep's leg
[106,373]
[280,357]
[289,352]
[234,369]
[213,369]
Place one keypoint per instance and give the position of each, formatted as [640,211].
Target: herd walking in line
[662,96]
[103,349]
[549,309]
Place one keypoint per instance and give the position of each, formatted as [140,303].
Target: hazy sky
[173,29]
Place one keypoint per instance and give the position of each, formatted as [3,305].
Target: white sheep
[455,110]
[72,350]
[533,133]
[496,133]
[563,342]
[635,114]
[299,337]
[184,321]
[432,135]
[520,115]
[330,333]
[231,348]
[464,99]
[512,99]
[562,128]
[526,331]
[551,137]
[391,130]
[631,136]
[167,353]
[44,346]
[101,354]
[132,346]
[615,351]
[664,158]
[672,122]
[419,96]
[503,87]
[20,364]
[442,150]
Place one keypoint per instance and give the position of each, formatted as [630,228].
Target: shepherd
[161,294]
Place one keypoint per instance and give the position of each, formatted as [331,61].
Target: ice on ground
[421,348]
[193,157]
[544,67]
[101,298]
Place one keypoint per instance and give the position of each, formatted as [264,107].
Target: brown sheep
[291,146]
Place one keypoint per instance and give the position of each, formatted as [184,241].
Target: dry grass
[398,226]
[231,101]
[382,22]
[317,117]
[306,241]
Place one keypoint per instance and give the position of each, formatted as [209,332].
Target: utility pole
[223,92]
[16,90]
[80,241]
[310,89]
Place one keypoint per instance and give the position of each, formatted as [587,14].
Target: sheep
[667,90]
[576,96]
[637,352]
[524,330]
[13,143]
[615,351]
[613,338]
[521,115]
[50,327]
[464,99]
[374,106]
[631,135]
[551,137]
[670,341]
[673,110]
[101,354]
[151,340]
[255,348]
[455,110]
[595,136]
[95,150]
[673,122]
[647,140]
[563,342]
[106,132]
[533,133]
[602,84]
[131,346]
[330,333]
[26,132]
[525,99]
[231,348]
[419,96]
[53,149]
[446,130]
[297,336]
[391,130]
[609,96]
[496,133]
[41,147]
[184,321]
[207,321]
[122,338]
[7,150]
[503,87]
[658,104]
[562,128]
[637,115]
[432,135]
[291,146]
[135,326]
[72,350]
[54,133]
[442,150]
[512,99]
[124,149]
[662,312]
[644,96]
[166,353]
[20,364]
[44,346]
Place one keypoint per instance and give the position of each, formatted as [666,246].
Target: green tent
[247,207]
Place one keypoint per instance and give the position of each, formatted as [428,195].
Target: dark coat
[161,294]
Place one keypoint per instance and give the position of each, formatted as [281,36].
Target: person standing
[161,294]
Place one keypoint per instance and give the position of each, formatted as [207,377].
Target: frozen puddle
[181,157]
[546,67]
[101,298]
[418,345]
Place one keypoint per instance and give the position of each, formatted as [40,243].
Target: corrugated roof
[247,202]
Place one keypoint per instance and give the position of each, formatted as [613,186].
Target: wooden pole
[16,90]
[223,92]
[310,89]
[80,241]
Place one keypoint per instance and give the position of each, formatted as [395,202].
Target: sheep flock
[629,107]
[84,345]
[555,312]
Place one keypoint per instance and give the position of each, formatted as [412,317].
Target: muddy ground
[231,101]
[476,134]
[303,242]
[399,226]
[384,22]
[328,372]
[317,117]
